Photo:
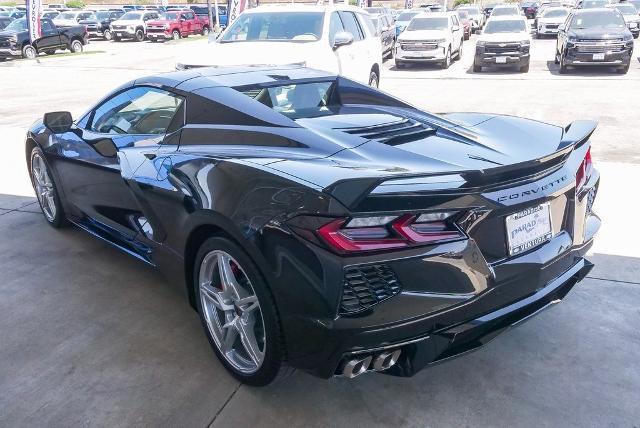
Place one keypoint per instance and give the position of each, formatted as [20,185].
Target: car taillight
[360,234]
[584,171]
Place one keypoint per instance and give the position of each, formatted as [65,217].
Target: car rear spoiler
[352,192]
[577,133]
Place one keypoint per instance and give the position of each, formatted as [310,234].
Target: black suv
[594,37]
[99,24]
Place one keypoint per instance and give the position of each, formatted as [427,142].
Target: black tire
[563,67]
[447,61]
[476,68]
[205,31]
[459,55]
[274,349]
[76,46]
[175,35]
[525,68]
[374,79]
[29,52]
[58,220]
[107,35]
[556,59]
[635,36]
[139,35]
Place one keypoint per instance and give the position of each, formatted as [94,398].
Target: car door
[189,23]
[562,35]
[50,39]
[353,58]
[109,142]
[457,32]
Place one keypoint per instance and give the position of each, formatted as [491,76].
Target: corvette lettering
[534,191]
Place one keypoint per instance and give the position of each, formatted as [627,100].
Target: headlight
[633,25]
[439,41]
[481,43]
[525,42]
[572,39]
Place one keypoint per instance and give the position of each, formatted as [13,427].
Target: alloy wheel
[175,35]
[43,187]
[76,46]
[373,79]
[107,35]
[29,52]
[232,311]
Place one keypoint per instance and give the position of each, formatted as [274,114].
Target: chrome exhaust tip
[386,359]
[356,367]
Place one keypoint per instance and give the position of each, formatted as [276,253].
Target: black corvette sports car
[320,224]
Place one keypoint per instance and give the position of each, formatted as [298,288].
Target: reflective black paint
[246,172]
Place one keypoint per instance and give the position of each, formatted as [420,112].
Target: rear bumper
[454,297]
[467,337]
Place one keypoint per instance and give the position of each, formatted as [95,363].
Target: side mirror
[58,122]
[342,38]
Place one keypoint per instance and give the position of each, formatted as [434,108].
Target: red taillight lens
[382,233]
[584,170]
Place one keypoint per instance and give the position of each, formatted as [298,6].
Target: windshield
[463,14]
[102,15]
[50,15]
[555,14]
[67,15]
[627,9]
[591,4]
[510,26]
[275,26]
[295,101]
[131,16]
[17,25]
[504,11]
[428,24]
[597,19]
[170,16]
[406,16]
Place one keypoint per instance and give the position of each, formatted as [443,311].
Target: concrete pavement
[89,336]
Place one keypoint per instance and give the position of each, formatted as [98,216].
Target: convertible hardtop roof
[207,77]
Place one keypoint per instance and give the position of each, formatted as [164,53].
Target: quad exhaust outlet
[377,362]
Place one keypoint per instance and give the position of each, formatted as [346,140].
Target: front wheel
[476,67]
[29,52]
[623,69]
[45,189]
[563,66]
[107,35]
[76,46]
[525,68]
[447,60]
[175,35]
[205,31]
[139,36]
[238,312]
[374,79]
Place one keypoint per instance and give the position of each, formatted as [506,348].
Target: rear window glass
[295,100]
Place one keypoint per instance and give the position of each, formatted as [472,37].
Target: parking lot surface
[89,336]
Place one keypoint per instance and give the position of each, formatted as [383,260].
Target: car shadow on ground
[583,70]
[496,70]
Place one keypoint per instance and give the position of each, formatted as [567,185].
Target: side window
[335,26]
[369,24]
[351,25]
[454,20]
[190,16]
[140,110]
[46,25]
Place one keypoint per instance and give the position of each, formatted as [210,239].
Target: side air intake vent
[403,131]
[365,286]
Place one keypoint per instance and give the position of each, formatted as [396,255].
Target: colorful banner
[408,4]
[235,9]
[34,12]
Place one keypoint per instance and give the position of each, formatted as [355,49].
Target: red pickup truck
[175,24]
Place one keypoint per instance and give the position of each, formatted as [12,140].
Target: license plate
[528,229]
[598,57]
[501,60]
